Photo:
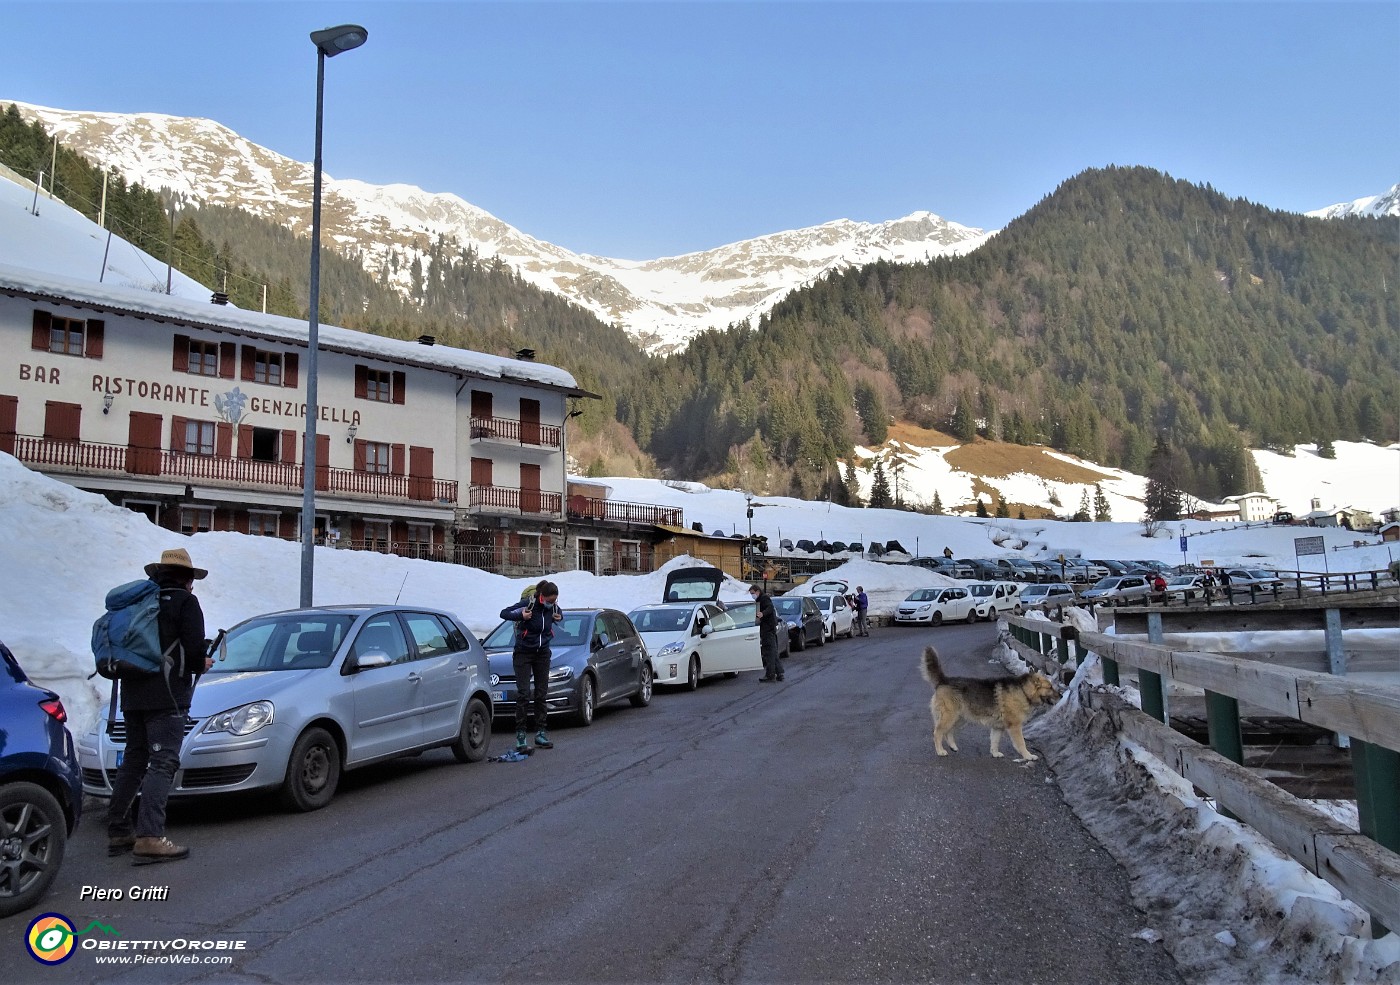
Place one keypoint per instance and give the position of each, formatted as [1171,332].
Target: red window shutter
[397,459]
[289,369]
[9,414]
[289,447]
[177,433]
[286,526]
[223,520]
[62,421]
[400,383]
[357,530]
[96,331]
[420,472]
[180,356]
[227,353]
[361,380]
[249,357]
[323,462]
[360,456]
[245,443]
[223,439]
[241,522]
[43,321]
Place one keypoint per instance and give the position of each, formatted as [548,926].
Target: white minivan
[992,598]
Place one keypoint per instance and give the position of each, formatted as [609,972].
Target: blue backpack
[126,639]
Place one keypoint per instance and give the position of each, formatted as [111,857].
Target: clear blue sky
[648,129]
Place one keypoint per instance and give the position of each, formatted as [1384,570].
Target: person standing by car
[1225,585]
[767,635]
[530,658]
[154,708]
[862,610]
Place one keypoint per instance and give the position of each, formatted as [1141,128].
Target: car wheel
[800,642]
[643,696]
[587,701]
[971,616]
[692,673]
[313,771]
[821,637]
[475,738]
[33,838]
[936,619]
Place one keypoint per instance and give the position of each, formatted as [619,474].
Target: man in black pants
[154,708]
[767,635]
[537,615]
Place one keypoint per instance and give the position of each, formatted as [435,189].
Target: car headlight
[561,673]
[925,607]
[671,649]
[791,624]
[244,720]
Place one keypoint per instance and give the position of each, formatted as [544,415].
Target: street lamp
[329,42]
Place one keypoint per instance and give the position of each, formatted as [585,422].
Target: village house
[194,415]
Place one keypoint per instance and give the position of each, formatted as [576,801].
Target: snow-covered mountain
[1371,205]
[662,303]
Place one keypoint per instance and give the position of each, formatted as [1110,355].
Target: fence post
[1336,656]
[1377,778]
[1150,687]
[1067,633]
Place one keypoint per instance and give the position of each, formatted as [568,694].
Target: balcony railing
[616,511]
[507,431]
[97,458]
[504,499]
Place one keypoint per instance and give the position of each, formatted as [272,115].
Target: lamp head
[350,433]
[332,41]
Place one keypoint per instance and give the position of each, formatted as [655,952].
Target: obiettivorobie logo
[51,937]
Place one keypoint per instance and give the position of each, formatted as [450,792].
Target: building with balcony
[194,415]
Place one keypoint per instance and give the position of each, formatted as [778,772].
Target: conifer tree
[1002,511]
[1102,512]
[1163,499]
[937,504]
[981,508]
[852,485]
[880,489]
[1081,515]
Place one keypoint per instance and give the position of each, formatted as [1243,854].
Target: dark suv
[41,789]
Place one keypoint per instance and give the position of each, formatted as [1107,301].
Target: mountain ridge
[661,303]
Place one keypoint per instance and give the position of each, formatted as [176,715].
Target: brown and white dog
[1003,704]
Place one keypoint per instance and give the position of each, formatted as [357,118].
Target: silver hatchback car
[296,697]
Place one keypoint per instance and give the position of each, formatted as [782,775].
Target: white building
[1254,506]
[194,414]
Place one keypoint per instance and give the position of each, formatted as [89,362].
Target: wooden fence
[1363,867]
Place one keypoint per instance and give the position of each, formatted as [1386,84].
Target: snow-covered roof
[42,286]
[1248,495]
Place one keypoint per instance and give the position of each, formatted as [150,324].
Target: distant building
[1254,506]
[1390,533]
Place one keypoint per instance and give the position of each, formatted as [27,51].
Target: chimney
[218,297]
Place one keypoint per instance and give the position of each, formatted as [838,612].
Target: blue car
[41,789]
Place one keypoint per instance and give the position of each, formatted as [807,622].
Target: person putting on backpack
[536,614]
[154,707]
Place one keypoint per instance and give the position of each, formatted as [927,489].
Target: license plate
[120,754]
[499,695]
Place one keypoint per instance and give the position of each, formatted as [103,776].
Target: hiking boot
[522,744]
[119,844]
[542,740]
[148,850]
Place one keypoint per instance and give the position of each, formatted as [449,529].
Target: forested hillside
[1126,307]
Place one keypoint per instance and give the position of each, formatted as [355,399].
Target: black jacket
[182,622]
[535,632]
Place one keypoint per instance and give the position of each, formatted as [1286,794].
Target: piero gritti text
[129,893]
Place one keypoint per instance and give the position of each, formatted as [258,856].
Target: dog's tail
[933,671]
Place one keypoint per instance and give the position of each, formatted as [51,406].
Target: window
[67,336]
[430,636]
[262,524]
[198,438]
[382,635]
[267,368]
[629,555]
[196,519]
[204,358]
[377,457]
[420,537]
[381,385]
[377,535]
[378,386]
[529,548]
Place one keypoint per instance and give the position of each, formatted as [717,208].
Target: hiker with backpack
[154,707]
[536,613]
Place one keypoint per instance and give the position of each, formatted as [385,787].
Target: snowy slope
[1371,205]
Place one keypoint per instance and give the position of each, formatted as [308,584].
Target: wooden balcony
[524,434]
[617,511]
[94,458]
[508,500]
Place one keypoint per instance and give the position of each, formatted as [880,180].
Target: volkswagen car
[596,657]
[295,698]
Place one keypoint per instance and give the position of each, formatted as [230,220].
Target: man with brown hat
[154,708]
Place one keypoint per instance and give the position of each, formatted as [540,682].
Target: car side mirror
[369,660]
[706,629]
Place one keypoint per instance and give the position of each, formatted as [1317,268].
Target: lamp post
[329,42]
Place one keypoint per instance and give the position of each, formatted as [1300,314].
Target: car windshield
[1035,590]
[980,590]
[784,607]
[294,641]
[1107,582]
[1260,573]
[823,602]
[570,631]
[1182,580]
[662,619]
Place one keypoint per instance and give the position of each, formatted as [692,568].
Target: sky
[648,129]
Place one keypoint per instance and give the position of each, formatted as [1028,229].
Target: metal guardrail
[1364,867]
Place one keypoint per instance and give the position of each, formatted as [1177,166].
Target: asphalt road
[745,832]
